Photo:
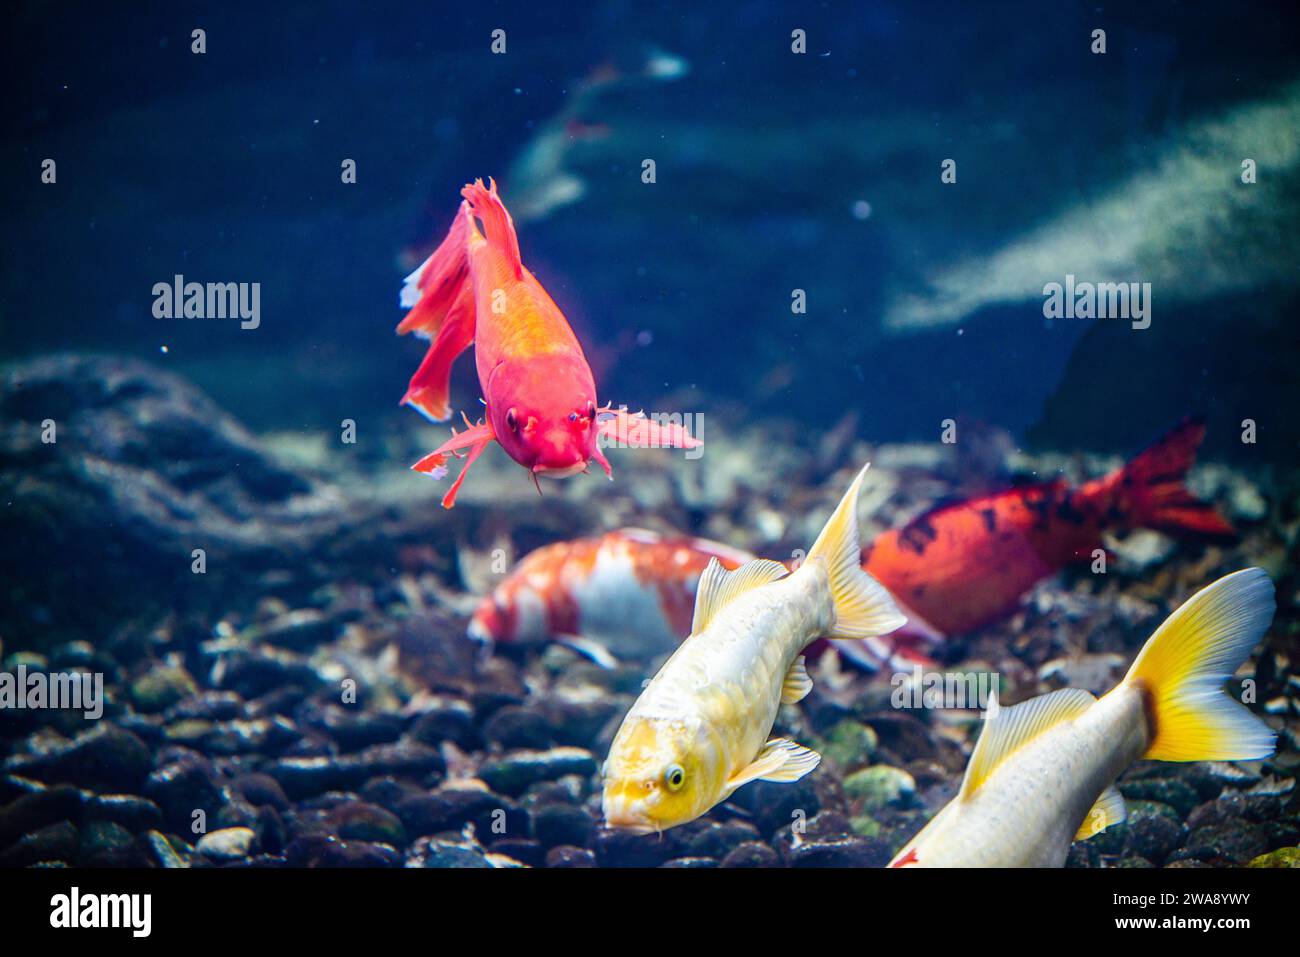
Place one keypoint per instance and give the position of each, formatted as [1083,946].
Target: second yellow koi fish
[1043,771]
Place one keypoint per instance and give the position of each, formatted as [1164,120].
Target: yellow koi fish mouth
[621,814]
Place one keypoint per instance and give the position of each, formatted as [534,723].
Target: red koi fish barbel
[537,386]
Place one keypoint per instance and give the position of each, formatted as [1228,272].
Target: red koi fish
[628,594]
[964,565]
[537,386]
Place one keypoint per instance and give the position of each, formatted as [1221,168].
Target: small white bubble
[861,209]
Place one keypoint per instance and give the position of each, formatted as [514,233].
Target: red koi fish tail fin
[498,227]
[441,299]
[1150,491]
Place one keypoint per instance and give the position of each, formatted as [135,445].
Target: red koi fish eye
[589,415]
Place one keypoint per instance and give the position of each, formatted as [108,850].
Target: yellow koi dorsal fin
[1108,810]
[1007,730]
[718,587]
[797,682]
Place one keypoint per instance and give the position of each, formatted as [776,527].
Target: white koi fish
[1034,779]
[700,729]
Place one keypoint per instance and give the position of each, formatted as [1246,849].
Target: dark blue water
[225,166]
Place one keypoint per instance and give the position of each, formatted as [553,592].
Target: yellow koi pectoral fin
[780,760]
[718,587]
[863,607]
[1184,665]
[797,682]
[1007,730]
[1109,810]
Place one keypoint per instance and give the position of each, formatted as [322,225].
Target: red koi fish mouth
[560,471]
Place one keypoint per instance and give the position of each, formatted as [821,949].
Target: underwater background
[780,177]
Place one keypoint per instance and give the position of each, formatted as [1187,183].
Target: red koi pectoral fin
[474,439]
[429,391]
[637,431]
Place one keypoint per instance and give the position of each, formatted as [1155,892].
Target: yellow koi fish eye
[674,777]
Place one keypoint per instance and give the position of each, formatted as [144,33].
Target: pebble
[1282,857]
[1154,830]
[850,744]
[131,811]
[1233,843]
[182,786]
[848,851]
[751,854]
[160,851]
[445,809]
[1174,792]
[107,844]
[54,842]
[555,824]
[881,786]
[317,850]
[515,772]
[227,844]
[161,687]
[441,853]
[361,821]
[568,856]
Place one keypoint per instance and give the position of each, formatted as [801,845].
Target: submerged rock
[105,758]
[1282,857]
[144,469]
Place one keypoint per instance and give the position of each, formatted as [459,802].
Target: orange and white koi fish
[629,594]
[1042,773]
[963,565]
[625,594]
[537,386]
[700,728]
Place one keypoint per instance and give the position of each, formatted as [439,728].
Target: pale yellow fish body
[1043,771]
[1028,812]
[721,689]
[701,727]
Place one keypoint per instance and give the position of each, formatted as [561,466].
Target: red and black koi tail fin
[498,227]
[1151,491]
[441,299]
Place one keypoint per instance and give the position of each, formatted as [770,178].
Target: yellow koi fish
[1033,781]
[700,728]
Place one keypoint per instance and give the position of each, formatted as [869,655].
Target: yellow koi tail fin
[863,607]
[1183,666]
